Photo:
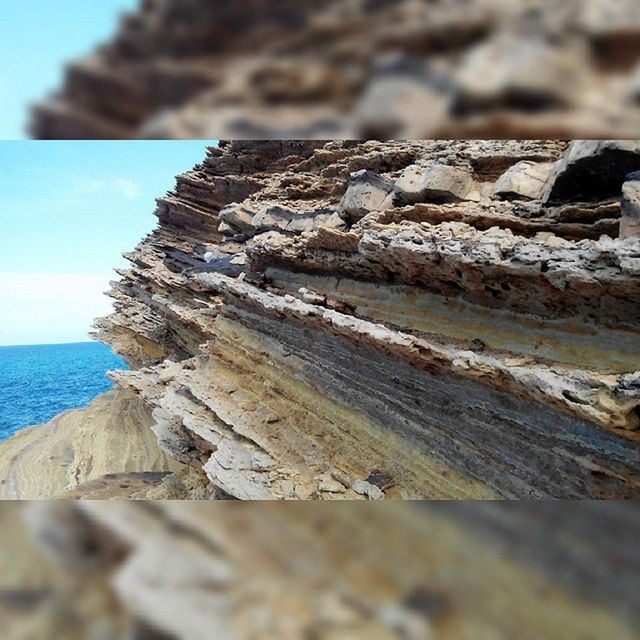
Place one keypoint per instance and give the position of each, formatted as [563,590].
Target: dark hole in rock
[427,602]
[595,177]
[381,479]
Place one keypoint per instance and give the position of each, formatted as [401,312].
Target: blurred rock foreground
[231,571]
[357,69]
[367,320]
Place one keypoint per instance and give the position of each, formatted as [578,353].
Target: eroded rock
[524,180]
[438,183]
[483,348]
[366,192]
[630,207]
[592,170]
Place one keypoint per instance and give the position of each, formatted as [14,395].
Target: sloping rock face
[106,450]
[357,68]
[403,571]
[481,348]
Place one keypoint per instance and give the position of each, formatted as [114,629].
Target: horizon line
[52,344]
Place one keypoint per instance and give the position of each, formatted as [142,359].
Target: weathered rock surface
[357,69]
[480,348]
[193,571]
[108,445]
[630,207]
[438,183]
[592,170]
[525,180]
[366,192]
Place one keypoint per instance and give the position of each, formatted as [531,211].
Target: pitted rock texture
[357,69]
[486,347]
[630,220]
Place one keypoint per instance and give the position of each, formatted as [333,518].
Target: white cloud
[46,308]
[126,188]
[129,190]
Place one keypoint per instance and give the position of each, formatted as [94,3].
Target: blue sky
[68,209]
[38,37]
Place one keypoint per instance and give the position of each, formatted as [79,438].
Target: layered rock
[104,451]
[357,68]
[562,571]
[486,347]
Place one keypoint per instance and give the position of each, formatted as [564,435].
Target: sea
[38,382]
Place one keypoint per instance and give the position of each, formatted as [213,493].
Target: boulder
[278,218]
[630,207]
[366,192]
[235,218]
[273,218]
[402,100]
[525,180]
[592,170]
[438,183]
[526,73]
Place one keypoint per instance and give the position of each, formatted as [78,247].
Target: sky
[68,209]
[38,38]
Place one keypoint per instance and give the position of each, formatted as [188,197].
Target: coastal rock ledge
[417,319]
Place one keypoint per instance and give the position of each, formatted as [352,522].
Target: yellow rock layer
[312,429]
[111,436]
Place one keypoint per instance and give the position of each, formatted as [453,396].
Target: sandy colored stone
[111,436]
[475,348]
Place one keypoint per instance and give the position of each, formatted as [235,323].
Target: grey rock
[592,170]
[333,221]
[525,180]
[226,230]
[302,222]
[438,183]
[401,107]
[403,99]
[510,69]
[235,218]
[630,208]
[367,489]
[278,218]
[366,192]
[272,218]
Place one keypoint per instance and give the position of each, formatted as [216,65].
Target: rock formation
[104,451]
[357,69]
[418,319]
[195,571]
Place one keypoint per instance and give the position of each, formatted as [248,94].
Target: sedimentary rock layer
[459,571]
[357,68]
[106,450]
[406,319]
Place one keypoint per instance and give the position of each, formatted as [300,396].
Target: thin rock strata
[418,319]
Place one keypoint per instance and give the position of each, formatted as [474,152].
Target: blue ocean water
[39,382]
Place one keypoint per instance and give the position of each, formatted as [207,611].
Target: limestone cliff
[355,69]
[418,319]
